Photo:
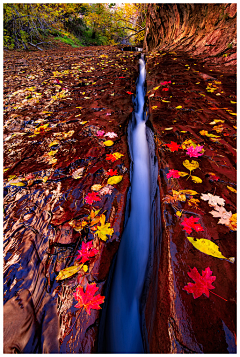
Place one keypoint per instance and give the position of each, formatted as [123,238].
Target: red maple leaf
[92,197]
[173,173]
[190,223]
[112,172]
[87,299]
[129,92]
[202,283]
[87,251]
[173,146]
[165,89]
[111,157]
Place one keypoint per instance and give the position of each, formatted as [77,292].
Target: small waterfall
[122,328]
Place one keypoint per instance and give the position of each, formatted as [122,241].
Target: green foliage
[230,45]
[31,24]
[70,40]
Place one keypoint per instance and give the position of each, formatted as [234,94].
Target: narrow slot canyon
[119,183]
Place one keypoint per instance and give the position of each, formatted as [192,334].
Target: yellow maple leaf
[154,107]
[233,222]
[179,196]
[193,165]
[103,230]
[206,246]
[193,202]
[188,143]
[179,107]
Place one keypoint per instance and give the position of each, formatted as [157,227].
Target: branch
[135,33]
[35,46]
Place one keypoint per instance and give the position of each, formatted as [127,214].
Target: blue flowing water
[123,329]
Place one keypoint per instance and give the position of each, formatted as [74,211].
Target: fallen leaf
[113,157]
[202,283]
[96,187]
[173,173]
[193,202]
[17,184]
[103,230]
[189,192]
[67,272]
[205,133]
[190,223]
[179,213]
[111,135]
[111,172]
[173,146]
[106,190]
[92,197]
[212,200]
[232,189]
[78,173]
[87,299]
[87,251]
[187,143]
[179,107]
[195,151]
[108,143]
[114,180]
[100,133]
[196,179]
[179,196]
[220,211]
[233,222]
[206,246]
[182,174]
[193,165]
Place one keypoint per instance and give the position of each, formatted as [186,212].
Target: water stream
[123,329]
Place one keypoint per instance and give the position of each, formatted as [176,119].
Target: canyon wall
[208,30]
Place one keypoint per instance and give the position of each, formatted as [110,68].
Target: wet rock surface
[192,104]
[58,107]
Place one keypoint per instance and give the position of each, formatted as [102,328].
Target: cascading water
[122,328]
